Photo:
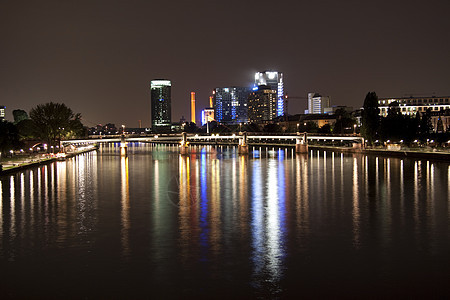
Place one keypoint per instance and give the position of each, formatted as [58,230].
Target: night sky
[98,57]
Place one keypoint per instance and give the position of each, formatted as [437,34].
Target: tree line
[47,123]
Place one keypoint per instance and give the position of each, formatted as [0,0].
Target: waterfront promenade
[23,161]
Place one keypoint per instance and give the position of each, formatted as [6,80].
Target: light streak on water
[125,206]
[356,209]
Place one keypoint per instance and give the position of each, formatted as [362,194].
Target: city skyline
[96,57]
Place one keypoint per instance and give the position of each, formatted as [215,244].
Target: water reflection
[125,206]
[268,223]
[356,208]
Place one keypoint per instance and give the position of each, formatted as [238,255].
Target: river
[214,224]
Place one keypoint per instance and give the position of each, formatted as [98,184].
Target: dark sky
[98,57]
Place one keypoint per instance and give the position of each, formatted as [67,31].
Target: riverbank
[21,163]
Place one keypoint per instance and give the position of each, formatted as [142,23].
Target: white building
[2,112]
[412,105]
[439,107]
[318,104]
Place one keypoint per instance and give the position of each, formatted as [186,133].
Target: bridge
[242,140]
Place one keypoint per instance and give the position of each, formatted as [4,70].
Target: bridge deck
[215,138]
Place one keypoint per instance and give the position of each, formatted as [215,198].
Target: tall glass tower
[231,104]
[160,104]
[274,80]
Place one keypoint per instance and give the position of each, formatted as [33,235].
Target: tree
[325,129]
[425,126]
[9,137]
[54,121]
[26,129]
[309,126]
[343,120]
[273,128]
[370,117]
[190,127]
[19,115]
[393,126]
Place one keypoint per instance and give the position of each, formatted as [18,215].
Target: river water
[214,224]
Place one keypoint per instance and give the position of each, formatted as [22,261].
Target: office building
[262,104]
[318,104]
[2,112]
[231,104]
[161,105]
[207,115]
[274,80]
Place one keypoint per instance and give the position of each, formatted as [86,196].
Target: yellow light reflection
[243,193]
[22,201]
[356,210]
[32,199]
[216,232]
[1,209]
[184,198]
[417,169]
[12,193]
[125,206]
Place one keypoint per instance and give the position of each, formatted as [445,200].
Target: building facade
[411,105]
[161,105]
[318,104]
[274,80]
[230,104]
[262,104]
[2,112]
[438,106]
[207,115]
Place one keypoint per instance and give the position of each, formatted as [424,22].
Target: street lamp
[298,126]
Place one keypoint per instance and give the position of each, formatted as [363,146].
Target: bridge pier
[301,145]
[184,148]
[357,146]
[123,146]
[243,146]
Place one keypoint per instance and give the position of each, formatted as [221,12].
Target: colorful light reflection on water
[216,224]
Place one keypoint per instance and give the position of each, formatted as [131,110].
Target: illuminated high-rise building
[274,80]
[262,104]
[231,104]
[161,105]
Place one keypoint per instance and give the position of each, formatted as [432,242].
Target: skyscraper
[262,104]
[274,80]
[231,104]
[160,104]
